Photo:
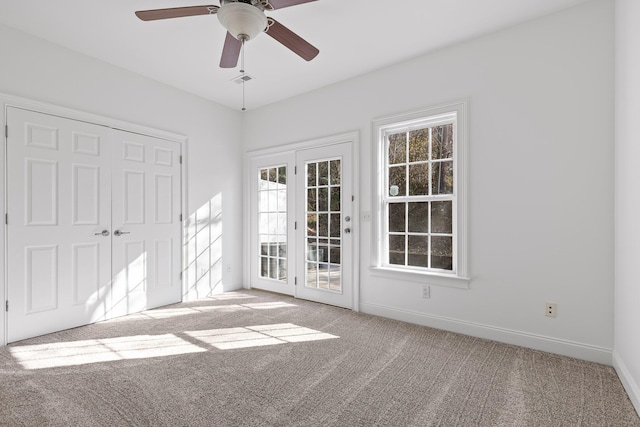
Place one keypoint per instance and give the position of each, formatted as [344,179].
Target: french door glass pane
[272,222]
[323,228]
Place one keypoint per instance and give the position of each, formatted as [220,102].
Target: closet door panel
[58,204]
[146,215]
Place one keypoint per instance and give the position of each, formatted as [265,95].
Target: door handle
[119,233]
[347,230]
[104,233]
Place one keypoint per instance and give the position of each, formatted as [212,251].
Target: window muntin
[272,222]
[419,203]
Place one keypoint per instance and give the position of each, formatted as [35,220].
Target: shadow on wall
[203,251]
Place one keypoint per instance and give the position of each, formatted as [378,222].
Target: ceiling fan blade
[176,12]
[230,52]
[279,4]
[291,40]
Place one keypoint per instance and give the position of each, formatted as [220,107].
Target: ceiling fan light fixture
[242,20]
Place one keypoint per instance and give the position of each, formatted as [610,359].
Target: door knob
[347,230]
[104,233]
[119,233]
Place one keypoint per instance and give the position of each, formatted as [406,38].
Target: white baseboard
[629,383]
[538,342]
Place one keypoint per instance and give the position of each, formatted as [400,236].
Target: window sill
[437,279]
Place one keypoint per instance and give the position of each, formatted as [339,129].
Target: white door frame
[288,149]
[7,100]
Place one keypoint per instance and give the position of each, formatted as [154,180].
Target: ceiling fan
[243,20]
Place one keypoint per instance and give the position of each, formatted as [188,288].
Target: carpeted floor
[252,358]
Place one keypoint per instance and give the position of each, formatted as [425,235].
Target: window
[419,217]
[272,222]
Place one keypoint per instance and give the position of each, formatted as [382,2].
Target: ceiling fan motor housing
[242,20]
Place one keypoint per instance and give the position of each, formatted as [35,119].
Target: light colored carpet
[252,358]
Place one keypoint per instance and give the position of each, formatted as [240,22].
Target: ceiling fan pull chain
[243,74]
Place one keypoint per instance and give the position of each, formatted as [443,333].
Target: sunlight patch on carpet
[256,336]
[73,353]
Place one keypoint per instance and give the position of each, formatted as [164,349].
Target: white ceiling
[354,37]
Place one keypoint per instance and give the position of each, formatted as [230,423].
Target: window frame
[455,113]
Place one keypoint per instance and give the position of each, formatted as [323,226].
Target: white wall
[36,69]
[627,198]
[540,170]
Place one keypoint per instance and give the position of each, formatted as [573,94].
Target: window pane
[397,181]
[419,179]
[441,217]
[335,278]
[273,201]
[312,252]
[323,199]
[282,223]
[442,177]
[282,269]
[311,175]
[312,224]
[418,251]
[419,145]
[335,225]
[282,200]
[334,255]
[323,253]
[335,172]
[282,247]
[335,199]
[311,200]
[397,148]
[273,249]
[442,142]
[396,250]
[273,223]
[273,177]
[263,203]
[264,174]
[323,225]
[273,268]
[263,223]
[323,173]
[323,277]
[264,267]
[282,175]
[397,217]
[419,217]
[312,271]
[442,252]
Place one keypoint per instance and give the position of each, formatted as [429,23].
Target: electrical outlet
[426,292]
[550,309]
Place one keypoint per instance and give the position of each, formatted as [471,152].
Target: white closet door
[146,218]
[58,201]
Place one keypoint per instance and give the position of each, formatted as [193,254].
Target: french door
[93,223]
[324,269]
[301,216]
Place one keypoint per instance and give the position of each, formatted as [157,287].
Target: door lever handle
[104,233]
[119,233]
